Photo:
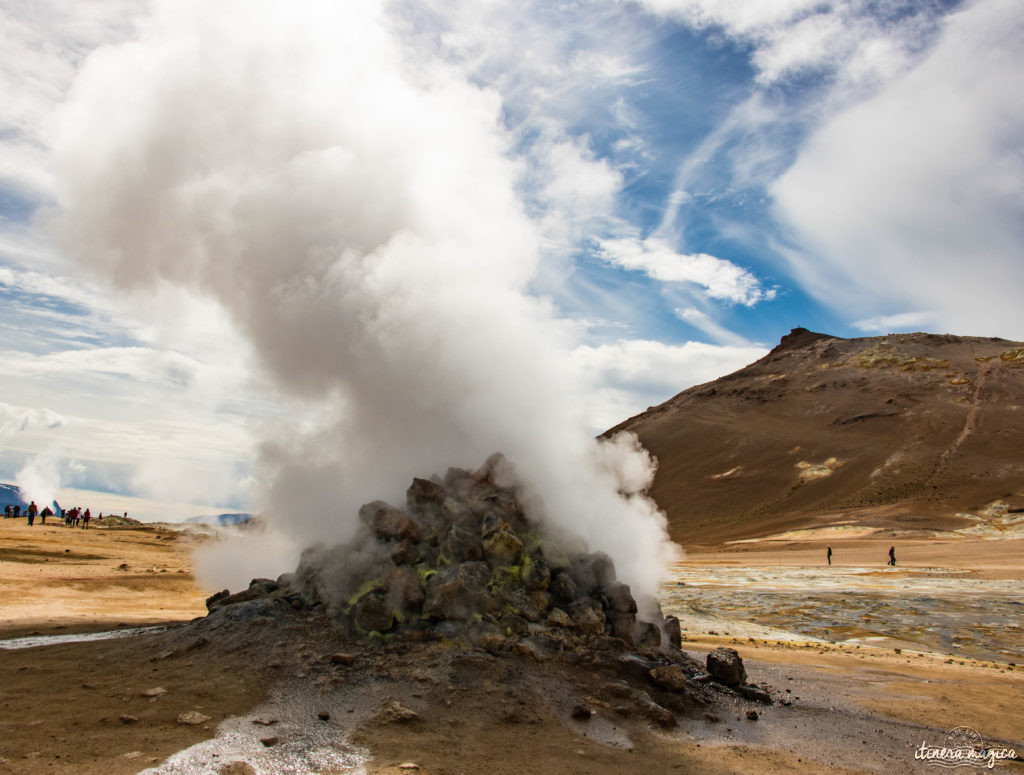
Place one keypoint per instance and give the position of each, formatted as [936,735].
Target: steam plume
[356,213]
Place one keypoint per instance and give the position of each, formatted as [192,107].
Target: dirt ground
[90,708]
[867,547]
[52,576]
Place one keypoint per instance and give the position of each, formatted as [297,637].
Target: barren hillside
[902,431]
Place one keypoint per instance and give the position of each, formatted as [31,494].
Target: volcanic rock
[671,677]
[374,612]
[460,545]
[503,547]
[593,572]
[646,635]
[616,597]
[389,523]
[394,712]
[673,632]
[726,667]
[458,593]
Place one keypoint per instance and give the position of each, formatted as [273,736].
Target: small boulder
[387,522]
[726,667]
[582,713]
[536,573]
[563,587]
[460,546]
[404,591]
[617,597]
[503,548]
[587,617]
[647,635]
[374,612]
[407,553]
[558,618]
[216,597]
[394,712]
[423,492]
[754,694]
[263,587]
[343,658]
[673,632]
[671,677]
[592,572]
[621,625]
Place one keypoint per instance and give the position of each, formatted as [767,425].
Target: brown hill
[901,431]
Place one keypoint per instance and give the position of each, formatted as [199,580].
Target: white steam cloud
[40,479]
[356,213]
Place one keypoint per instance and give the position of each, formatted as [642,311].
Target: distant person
[32,511]
[7,511]
[86,516]
[892,556]
[17,510]
[828,554]
[46,512]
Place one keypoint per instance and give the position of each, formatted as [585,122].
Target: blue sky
[667,186]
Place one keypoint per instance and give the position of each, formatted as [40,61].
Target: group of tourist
[74,517]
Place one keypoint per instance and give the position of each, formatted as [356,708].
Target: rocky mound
[462,571]
[907,432]
[463,560]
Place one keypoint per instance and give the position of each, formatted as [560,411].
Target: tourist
[828,554]
[86,516]
[892,556]
[32,511]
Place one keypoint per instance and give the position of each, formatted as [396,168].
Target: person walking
[32,511]
[828,554]
[892,556]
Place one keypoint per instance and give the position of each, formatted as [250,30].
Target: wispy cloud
[912,198]
[903,321]
[720,279]
[630,375]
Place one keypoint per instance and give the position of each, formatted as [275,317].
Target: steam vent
[463,561]
[460,580]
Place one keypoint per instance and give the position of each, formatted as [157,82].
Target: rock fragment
[394,712]
[192,718]
[726,667]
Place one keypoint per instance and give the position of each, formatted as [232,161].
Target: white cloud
[848,39]
[16,419]
[704,322]
[719,278]
[913,198]
[44,42]
[903,321]
[630,375]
